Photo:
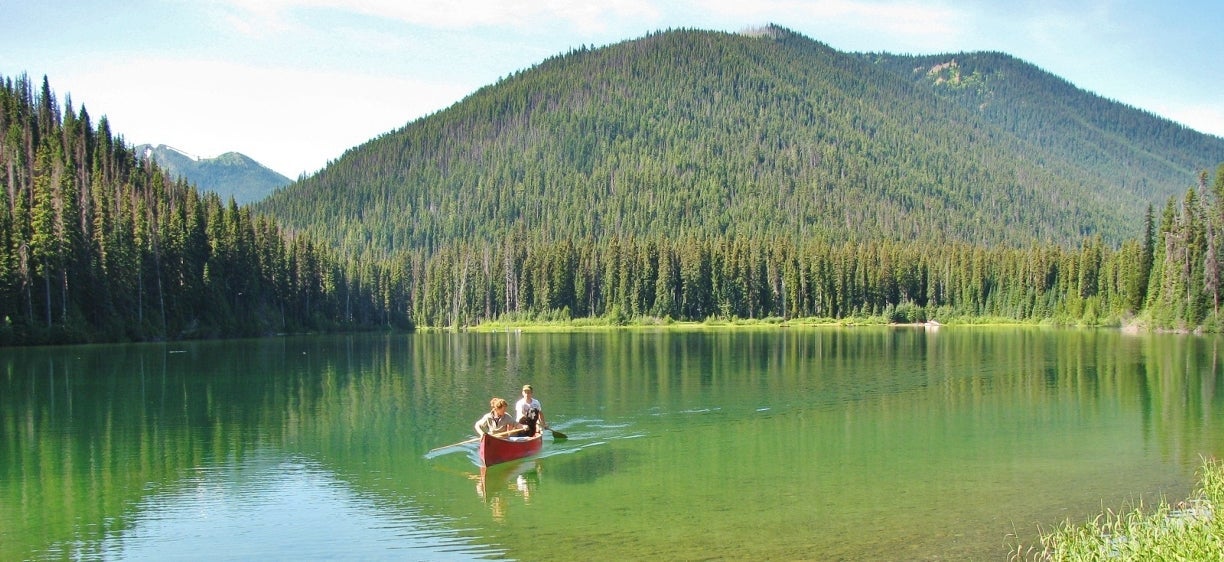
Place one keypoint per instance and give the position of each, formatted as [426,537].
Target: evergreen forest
[98,244]
[683,176]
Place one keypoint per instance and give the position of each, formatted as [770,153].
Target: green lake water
[814,443]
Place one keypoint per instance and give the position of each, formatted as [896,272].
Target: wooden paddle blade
[436,449]
[557,434]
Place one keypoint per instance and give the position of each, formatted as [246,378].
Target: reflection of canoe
[499,485]
[494,450]
[518,475]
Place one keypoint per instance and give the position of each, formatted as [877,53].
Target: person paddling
[529,412]
[497,420]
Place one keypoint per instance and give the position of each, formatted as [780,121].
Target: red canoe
[494,450]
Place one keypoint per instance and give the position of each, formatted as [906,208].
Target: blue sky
[295,83]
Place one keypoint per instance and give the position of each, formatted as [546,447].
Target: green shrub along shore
[1188,530]
[560,323]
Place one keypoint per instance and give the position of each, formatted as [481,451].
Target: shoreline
[652,323]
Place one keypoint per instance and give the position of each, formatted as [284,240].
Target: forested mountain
[232,174]
[706,134]
[99,244]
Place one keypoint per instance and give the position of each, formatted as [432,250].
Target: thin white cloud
[523,14]
[253,18]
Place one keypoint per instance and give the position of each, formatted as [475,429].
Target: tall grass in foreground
[1188,531]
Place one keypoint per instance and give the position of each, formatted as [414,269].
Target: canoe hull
[494,450]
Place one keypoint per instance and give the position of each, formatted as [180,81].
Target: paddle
[556,434]
[472,440]
[436,449]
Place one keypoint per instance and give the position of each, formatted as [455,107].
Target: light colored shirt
[523,408]
[491,423]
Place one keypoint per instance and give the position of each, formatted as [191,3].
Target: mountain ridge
[1123,128]
[690,132]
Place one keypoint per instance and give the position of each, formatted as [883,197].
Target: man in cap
[528,412]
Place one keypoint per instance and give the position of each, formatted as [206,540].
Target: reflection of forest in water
[88,431]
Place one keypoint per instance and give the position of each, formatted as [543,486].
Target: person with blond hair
[497,419]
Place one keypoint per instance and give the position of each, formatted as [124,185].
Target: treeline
[97,244]
[1168,279]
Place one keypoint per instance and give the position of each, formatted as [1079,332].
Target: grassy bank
[579,324]
[525,323]
[1188,530]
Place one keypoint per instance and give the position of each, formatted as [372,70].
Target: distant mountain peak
[149,150]
[231,174]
